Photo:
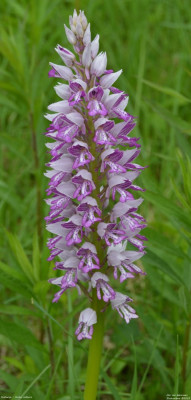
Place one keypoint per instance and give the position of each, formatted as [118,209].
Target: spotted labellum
[93,207]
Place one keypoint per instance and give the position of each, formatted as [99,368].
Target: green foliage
[151,356]
[18,333]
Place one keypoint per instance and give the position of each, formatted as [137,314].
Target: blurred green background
[150,357]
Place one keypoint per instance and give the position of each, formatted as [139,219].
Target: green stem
[95,351]
[95,347]
[77,5]
[70,351]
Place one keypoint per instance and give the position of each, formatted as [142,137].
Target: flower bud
[107,80]
[83,20]
[70,35]
[79,30]
[98,65]
[86,56]
[87,36]
[95,46]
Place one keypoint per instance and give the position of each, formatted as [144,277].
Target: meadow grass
[151,356]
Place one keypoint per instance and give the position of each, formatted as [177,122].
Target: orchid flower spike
[92,195]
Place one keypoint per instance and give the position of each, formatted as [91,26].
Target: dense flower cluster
[88,174]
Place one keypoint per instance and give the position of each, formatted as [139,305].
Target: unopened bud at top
[70,35]
[87,36]
[86,57]
[79,30]
[83,20]
[95,46]
[78,23]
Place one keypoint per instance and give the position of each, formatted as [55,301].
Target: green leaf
[16,363]
[163,244]
[9,104]
[45,312]
[35,380]
[110,385]
[185,165]
[41,288]
[12,272]
[30,365]
[156,261]
[18,333]
[49,388]
[17,310]
[15,284]
[36,257]
[17,8]
[117,366]
[170,92]
[173,120]
[150,359]
[167,207]
[19,389]
[21,256]
[177,370]
[134,383]
[10,380]
[8,196]
[184,298]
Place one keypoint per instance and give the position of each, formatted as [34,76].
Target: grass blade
[35,380]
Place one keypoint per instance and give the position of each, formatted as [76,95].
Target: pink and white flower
[88,172]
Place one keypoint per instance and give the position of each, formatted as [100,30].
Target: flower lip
[96,93]
[100,282]
[89,260]
[97,276]
[87,319]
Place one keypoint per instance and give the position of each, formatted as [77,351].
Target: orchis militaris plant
[89,172]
